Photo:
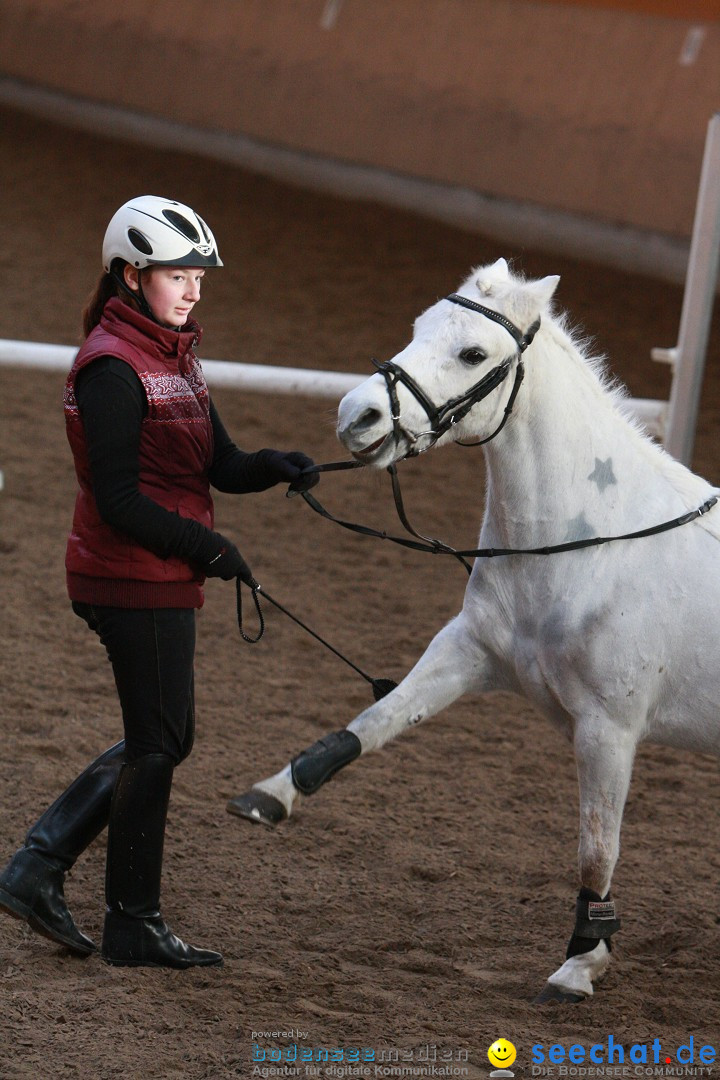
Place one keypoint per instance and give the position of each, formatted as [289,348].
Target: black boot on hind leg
[32,883]
[135,933]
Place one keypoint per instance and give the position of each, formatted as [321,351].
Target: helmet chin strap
[138,297]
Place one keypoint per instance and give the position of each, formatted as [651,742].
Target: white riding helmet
[151,231]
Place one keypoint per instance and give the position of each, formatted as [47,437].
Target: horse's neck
[568,465]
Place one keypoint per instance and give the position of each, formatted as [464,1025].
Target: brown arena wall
[599,111]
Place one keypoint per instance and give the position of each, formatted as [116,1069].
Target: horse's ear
[544,288]
[492,275]
[500,270]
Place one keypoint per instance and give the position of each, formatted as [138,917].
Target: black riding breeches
[152,652]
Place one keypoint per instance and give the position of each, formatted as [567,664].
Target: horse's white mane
[514,296]
[522,299]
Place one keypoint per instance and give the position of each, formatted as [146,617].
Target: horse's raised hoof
[258,806]
[553,995]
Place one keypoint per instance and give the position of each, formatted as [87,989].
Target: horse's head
[455,378]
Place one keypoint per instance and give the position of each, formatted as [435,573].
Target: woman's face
[171,291]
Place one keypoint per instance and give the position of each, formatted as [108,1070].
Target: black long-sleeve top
[112,404]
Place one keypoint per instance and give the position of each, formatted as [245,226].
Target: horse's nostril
[366,419]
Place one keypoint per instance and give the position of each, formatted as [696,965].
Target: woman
[147,443]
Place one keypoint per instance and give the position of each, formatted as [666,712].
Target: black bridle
[443,417]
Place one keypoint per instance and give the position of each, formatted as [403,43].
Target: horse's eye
[473,356]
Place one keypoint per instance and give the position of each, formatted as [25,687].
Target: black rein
[442,418]
[438,547]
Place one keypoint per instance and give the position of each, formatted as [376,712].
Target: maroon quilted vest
[105,566]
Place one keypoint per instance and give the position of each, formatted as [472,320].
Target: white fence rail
[261,378]
[672,421]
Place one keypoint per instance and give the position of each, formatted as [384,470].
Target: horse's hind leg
[446,670]
[605,758]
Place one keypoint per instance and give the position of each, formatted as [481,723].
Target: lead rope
[380,687]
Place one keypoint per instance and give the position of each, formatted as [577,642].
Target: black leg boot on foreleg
[135,933]
[32,883]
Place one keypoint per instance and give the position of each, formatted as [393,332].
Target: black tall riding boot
[31,885]
[135,933]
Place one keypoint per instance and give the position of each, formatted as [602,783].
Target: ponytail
[109,285]
[105,288]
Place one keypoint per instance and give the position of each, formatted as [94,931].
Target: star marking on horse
[603,474]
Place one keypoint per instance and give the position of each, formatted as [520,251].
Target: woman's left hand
[291,467]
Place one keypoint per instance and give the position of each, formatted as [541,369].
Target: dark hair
[105,288]
[108,286]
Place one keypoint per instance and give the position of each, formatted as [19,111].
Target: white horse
[617,643]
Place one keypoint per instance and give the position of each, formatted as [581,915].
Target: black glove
[229,564]
[290,467]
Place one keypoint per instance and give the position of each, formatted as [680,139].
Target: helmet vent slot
[182,225]
[206,231]
[139,241]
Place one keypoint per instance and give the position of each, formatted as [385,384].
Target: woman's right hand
[229,564]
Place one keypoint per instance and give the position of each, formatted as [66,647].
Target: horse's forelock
[498,281]
[519,298]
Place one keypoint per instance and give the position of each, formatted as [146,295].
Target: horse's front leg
[449,667]
[604,753]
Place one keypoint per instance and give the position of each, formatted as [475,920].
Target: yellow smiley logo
[502,1053]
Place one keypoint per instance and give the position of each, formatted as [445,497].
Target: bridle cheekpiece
[443,417]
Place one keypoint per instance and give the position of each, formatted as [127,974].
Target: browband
[522,340]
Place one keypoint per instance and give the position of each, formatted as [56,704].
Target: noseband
[444,417]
